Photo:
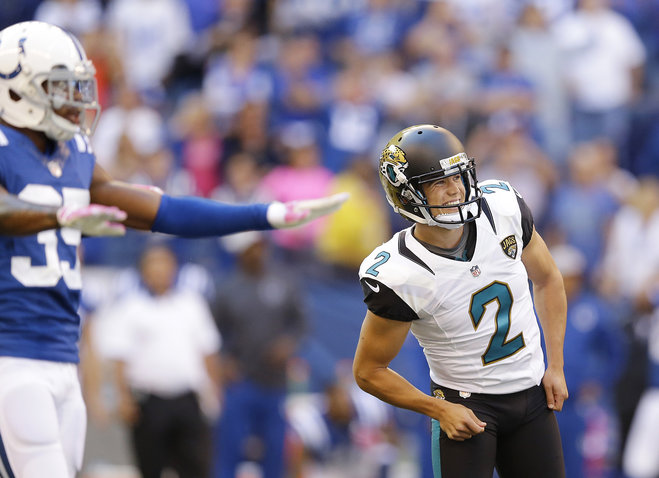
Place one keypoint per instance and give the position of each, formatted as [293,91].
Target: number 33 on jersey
[40,274]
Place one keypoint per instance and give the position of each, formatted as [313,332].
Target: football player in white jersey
[458,279]
[51,193]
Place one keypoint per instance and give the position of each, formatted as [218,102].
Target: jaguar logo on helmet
[393,164]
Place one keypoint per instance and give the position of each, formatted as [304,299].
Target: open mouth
[447,209]
[73,118]
[70,114]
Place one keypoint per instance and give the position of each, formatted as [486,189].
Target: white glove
[295,213]
[92,220]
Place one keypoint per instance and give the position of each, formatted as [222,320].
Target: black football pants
[171,433]
[521,438]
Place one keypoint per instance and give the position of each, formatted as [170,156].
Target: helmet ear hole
[14,96]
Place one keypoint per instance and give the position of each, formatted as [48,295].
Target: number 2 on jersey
[498,348]
[384,257]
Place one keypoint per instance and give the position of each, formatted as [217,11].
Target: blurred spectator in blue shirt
[76,16]
[250,133]
[262,320]
[530,40]
[594,354]
[645,149]
[353,119]
[199,142]
[509,152]
[235,77]
[301,80]
[446,85]
[583,206]
[380,25]
[325,18]
[506,96]
[604,64]
[150,36]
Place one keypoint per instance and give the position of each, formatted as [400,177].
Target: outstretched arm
[140,204]
[148,209]
[379,342]
[116,203]
[551,307]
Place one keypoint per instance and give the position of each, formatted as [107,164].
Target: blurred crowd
[260,100]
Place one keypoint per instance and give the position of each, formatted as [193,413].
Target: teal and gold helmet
[421,154]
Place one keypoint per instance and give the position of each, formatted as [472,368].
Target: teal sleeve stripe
[436,459]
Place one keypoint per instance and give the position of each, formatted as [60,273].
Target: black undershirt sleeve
[385,302]
[527,220]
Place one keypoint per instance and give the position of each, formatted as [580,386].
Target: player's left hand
[555,388]
[296,213]
[93,220]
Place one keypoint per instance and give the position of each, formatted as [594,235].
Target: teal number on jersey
[384,257]
[499,348]
[489,189]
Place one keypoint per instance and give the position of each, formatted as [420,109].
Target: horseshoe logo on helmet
[19,67]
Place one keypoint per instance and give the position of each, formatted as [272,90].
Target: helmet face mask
[72,96]
[424,154]
[46,82]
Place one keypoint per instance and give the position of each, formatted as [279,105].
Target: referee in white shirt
[164,343]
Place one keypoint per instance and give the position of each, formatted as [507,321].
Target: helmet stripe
[77,44]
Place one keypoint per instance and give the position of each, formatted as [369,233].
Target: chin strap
[58,128]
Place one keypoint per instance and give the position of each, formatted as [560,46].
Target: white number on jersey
[49,274]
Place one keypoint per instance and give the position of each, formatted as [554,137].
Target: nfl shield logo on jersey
[509,246]
[475,271]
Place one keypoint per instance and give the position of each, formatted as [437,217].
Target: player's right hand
[93,220]
[459,422]
[297,213]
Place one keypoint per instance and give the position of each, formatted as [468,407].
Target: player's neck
[438,236]
[39,139]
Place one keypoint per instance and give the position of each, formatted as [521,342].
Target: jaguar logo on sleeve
[509,246]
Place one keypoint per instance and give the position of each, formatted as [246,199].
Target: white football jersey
[474,319]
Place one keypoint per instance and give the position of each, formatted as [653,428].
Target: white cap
[241,241]
[569,260]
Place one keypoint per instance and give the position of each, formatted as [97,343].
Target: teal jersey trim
[436,458]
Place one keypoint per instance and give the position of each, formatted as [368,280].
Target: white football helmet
[46,81]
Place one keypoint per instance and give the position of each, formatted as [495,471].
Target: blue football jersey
[40,274]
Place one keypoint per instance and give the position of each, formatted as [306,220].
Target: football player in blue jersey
[458,279]
[51,193]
